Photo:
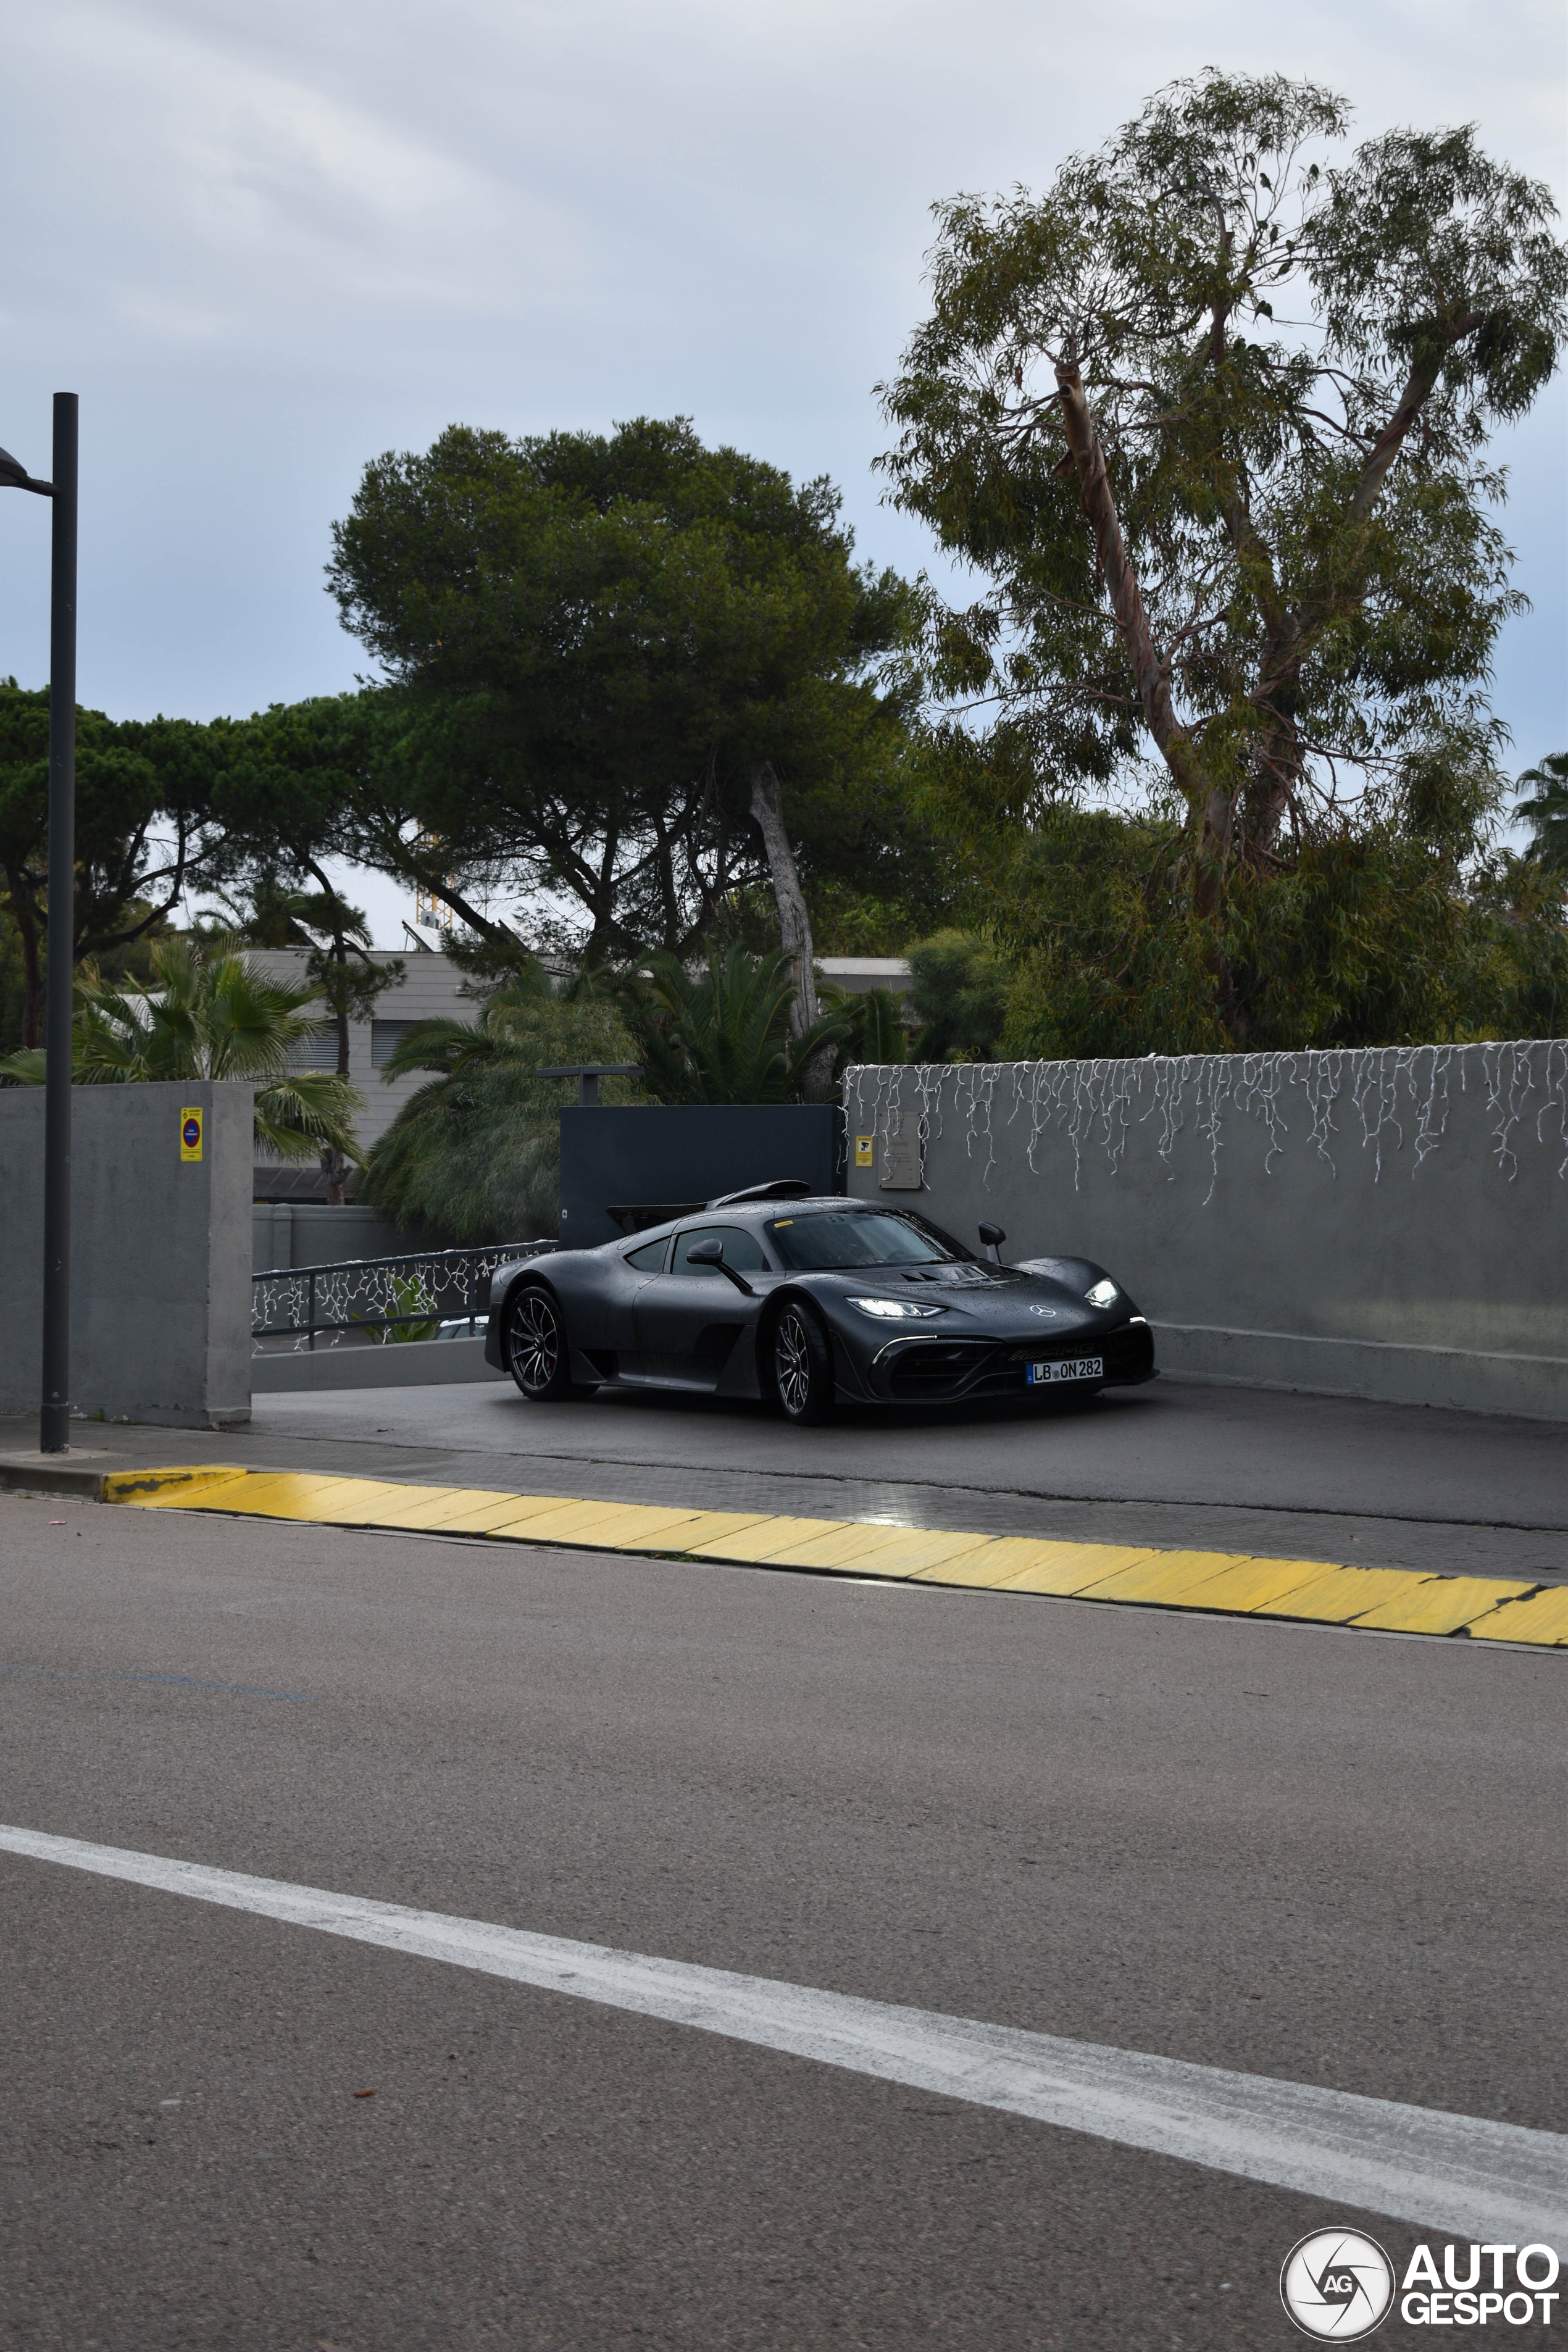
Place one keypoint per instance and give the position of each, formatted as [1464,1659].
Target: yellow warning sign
[190,1135]
[864,1151]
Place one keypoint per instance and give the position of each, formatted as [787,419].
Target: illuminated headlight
[1104,1294]
[895,1310]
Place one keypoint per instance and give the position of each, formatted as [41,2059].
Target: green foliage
[420,1316]
[877,1021]
[723,1034]
[476,1154]
[1372,937]
[594,641]
[1260,556]
[959,996]
[212,1014]
[12,982]
[301,782]
[1546,811]
[143,832]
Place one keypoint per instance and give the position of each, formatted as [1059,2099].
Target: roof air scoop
[778,1187]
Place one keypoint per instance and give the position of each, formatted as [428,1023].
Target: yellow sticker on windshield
[780,1222]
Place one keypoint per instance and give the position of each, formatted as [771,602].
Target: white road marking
[1474,2179]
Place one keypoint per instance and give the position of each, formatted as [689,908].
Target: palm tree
[878,1021]
[476,1152]
[1546,811]
[722,1034]
[210,1013]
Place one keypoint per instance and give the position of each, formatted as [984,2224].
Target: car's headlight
[896,1310]
[1104,1294]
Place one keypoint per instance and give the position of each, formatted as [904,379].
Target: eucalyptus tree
[1545,810]
[1211,418]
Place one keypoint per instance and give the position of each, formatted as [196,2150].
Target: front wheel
[537,1355]
[802,1367]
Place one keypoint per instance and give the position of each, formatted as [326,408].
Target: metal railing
[379,1300]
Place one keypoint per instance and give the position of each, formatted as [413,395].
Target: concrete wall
[160,1254]
[303,1232]
[1390,1223]
[423,1363]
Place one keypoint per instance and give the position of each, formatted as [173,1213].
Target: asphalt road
[1292,1850]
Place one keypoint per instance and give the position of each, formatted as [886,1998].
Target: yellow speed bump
[1028,1565]
[1542,1619]
[1163,1576]
[1442,1605]
[767,1539]
[1335,1595]
[1398,1601]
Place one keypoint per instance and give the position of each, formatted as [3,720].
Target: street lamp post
[588,1073]
[55,1412]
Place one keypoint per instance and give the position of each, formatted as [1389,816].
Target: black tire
[537,1355]
[800,1363]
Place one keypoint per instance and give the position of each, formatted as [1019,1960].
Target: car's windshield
[824,1238]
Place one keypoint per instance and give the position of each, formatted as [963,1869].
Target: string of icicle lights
[1394,1094]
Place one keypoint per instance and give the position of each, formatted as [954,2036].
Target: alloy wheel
[791,1363]
[534,1340]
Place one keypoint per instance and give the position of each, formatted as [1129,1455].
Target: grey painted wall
[160,1254]
[423,1363]
[305,1233]
[1389,1223]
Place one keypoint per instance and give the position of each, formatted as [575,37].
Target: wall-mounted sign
[865,1150]
[190,1135]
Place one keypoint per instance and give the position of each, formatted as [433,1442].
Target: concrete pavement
[1263,1847]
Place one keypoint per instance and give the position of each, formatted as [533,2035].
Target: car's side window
[742,1250]
[650,1257]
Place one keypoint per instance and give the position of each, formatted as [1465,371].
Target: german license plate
[1075,1367]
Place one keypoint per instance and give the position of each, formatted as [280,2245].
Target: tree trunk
[794,921]
[27,919]
[794,925]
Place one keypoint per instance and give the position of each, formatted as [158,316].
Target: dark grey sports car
[810,1303]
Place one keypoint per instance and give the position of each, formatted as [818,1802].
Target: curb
[30,1476]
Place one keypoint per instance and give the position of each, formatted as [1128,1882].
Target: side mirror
[992,1237]
[709,1253]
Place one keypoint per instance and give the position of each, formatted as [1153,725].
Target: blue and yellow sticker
[191,1134]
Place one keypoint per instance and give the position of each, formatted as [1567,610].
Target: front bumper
[921,1370]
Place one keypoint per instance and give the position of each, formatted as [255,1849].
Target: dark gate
[632,1166]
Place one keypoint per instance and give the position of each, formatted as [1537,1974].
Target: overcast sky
[266,245]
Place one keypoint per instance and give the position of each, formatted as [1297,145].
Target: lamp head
[14,476]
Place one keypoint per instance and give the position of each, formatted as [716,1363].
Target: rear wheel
[802,1365]
[537,1355]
